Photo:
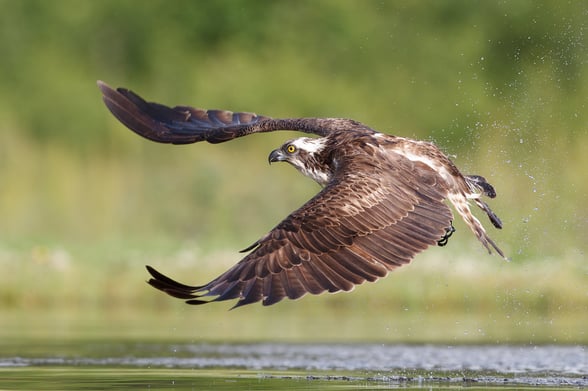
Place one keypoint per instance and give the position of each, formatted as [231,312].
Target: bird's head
[307,155]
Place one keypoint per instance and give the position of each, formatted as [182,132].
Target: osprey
[382,201]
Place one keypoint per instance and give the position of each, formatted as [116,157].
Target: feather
[382,201]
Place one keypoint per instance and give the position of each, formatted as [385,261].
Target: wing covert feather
[373,228]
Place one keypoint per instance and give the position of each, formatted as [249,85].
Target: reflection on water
[69,378]
[101,364]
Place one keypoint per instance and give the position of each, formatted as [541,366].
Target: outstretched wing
[186,125]
[357,229]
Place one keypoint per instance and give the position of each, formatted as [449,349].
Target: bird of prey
[382,201]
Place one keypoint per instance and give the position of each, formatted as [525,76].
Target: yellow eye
[291,148]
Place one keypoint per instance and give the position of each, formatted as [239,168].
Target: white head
[306,154]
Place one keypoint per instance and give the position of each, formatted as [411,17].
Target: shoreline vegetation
[439,298]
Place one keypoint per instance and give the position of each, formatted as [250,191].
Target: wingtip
[160,278]
[152,271]
[108,93]
[102,85]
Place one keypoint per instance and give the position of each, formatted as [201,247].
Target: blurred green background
[85,203]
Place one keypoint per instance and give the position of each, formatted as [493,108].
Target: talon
[448,232]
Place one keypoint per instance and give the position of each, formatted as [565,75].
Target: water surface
[96,364]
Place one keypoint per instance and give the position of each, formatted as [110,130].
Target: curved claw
[448,232]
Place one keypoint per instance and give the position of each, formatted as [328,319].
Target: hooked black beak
[276,156]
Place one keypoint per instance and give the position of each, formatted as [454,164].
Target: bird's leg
[448,232]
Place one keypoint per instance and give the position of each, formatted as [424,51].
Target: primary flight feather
[382,201]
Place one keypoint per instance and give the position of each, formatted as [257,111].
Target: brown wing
[186,125]
[358,228]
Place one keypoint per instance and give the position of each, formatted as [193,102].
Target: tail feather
[461,204]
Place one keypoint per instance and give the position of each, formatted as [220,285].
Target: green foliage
[502,86]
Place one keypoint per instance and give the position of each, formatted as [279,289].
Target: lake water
[99,364]
[184,348]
